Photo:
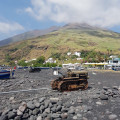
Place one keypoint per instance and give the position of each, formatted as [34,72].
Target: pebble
[119,88]
[108,112]
[31,117]
[46,103]
[71,111]
[19,113]
[36,111]
[39,118]
[64,109]
[23,107]
[54,100]
[115,87]
[64,115]
[59,107]
[50,105]
[79,115]
[11,98]
[99,83]
[95,118]
[6,110]
[44,114]
[42,108]
[95,97]
[17,118]
[79,101]
[53,109]
[48,118]
[25,116]
[4,117]
[11,115]
[103,97]
[42,99]
[47,110]
[30,105]
[98,103]
[84,118]
[92,83]
[105,88]
[112,116]
[55,115]
[75,118]
[37,104]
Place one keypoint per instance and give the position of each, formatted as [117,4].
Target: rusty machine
[34,69]
[73,80]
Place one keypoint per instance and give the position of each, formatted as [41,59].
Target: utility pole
[104,61]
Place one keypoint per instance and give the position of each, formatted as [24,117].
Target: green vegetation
[50,65]
[40,62]
[8,58]
[56,56]
[22,63]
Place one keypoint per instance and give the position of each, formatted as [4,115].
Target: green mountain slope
[72,37]
[27,35]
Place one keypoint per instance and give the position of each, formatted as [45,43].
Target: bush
[93,56]
[56,56]
[74,56]
[40,60]
[8,58]
[22,63]
[50,65]
[12,63]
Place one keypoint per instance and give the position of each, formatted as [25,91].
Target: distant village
[112,63]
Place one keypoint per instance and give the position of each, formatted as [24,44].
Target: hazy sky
[18,16]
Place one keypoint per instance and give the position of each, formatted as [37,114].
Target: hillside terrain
[28,35]
[71,37]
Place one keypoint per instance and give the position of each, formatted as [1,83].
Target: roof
[117,59]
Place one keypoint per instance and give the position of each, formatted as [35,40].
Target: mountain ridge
[28,35]
[36,33]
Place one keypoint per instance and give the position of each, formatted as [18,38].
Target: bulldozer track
[72,85]
[75,80]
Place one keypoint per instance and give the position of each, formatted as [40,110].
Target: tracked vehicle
[33,70]
[74,80]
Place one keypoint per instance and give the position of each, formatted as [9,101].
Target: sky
[19,16]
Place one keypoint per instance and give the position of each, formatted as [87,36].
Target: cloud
[103,13]
[6,27]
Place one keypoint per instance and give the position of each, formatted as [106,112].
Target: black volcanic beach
[28,96]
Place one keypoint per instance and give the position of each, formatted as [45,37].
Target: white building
[71,66]
[114,61]
[79,58]
[50,60]
[69,53]
[113,56]
[77,54]
[30,60]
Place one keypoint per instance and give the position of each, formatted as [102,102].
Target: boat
[6,74]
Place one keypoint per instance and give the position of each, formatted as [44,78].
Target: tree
[12,63]
[74,56]
[40,60]
[50,65]
[8,58]
[56,55]
[22,63]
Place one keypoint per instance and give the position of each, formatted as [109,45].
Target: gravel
[33,99]
[112,116]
